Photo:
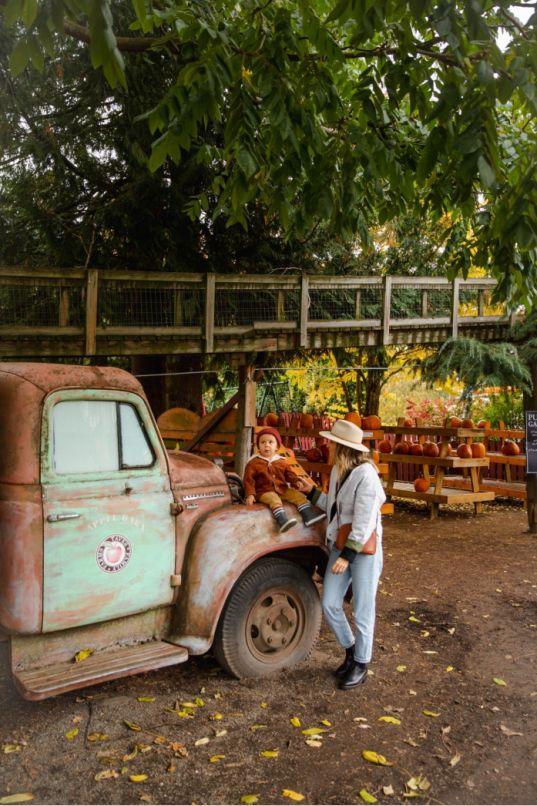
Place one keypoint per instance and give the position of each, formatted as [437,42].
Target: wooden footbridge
[97,312]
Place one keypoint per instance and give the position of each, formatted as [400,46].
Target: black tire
[270,621]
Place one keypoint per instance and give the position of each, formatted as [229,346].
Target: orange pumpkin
[478,450]
[306,420]
[401,447]
[371,423]
[416,449]
[464,451]
[408,422]
[385,446]
[313,455]
[271,419]
[421,485]
[455,422]
[483,424]
[354,417]
[430,449]
[510,448]
[468,423]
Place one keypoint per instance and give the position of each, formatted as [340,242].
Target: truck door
[109,535]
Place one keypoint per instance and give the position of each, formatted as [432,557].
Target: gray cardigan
[358,502]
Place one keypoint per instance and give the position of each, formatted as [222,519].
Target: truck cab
[118,556]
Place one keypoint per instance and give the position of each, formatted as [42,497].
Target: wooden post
[92,290]
[387,309]
[280,305]
[210,295]
[455,309]
[63,313]
[358,304]
[246,417]
[304,309]
[424,303]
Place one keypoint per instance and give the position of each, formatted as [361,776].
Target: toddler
[267,477]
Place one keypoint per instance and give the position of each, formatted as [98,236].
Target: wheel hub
[274,623]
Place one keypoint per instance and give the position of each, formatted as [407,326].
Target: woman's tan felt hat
[346,433]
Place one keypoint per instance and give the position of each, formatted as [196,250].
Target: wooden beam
[246,419]
[92,291]
[210,299]
[387,307]
[211,425]
[304,310]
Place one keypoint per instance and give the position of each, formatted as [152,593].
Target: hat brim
[356,446]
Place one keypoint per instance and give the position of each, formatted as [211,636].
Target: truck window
[98,436]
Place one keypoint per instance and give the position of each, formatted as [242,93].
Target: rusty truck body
[118,556]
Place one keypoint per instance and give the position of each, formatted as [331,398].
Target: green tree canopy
[347,113]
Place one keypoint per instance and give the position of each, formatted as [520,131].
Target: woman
[354,498]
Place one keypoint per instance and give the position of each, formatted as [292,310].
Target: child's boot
[308,515]
[284,522]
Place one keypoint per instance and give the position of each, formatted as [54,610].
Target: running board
[37,684]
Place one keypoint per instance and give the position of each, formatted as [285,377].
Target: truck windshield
[96,436]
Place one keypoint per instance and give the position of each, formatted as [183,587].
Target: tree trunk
[154,387]
[184,382]
[530,404]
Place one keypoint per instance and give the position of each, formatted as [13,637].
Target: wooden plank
[92,291]
[210,311]
[402,489]
[446,461]
[304,310]
[211,424]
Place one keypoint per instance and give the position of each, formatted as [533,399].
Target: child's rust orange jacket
[268,475]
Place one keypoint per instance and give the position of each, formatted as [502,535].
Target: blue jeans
[364,573]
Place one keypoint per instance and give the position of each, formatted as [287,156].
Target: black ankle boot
[284,522]
[342,670]
[356,675]
[309,517]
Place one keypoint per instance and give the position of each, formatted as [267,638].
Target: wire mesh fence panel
[244,306]
[406,302]
[139,306]
[468,302]
[40,305]
[437,302]
[370,302]
[332,304]
[273,396]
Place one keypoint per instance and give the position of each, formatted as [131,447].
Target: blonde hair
[346,459]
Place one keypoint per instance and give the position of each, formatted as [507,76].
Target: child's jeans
[364,573]
[293,496]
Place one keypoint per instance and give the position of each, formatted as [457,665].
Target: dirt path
[457,611]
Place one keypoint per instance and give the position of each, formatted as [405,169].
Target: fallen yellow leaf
[418,782]
[188,705]
[401,668]
[413,618]
[136,779]
[499,681]
[450,668]
[269,753]
[216,717]
[199,702]
[316,742]
[22,797]
[201,742]
[216,759]
[391,719]
[71,733]
[249,798]
[264,705]
[326,722]
[376,758]
[82,655]
[292,795]
[11,748]
[132,725]
[313,731]
[98,737]
[104,774]
[220,732]
[434,714]
[258,727]
[146,699]
[185,714]
[367,797]
[388,790]
[295,722]
[160,740]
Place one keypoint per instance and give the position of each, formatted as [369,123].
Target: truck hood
[189,470]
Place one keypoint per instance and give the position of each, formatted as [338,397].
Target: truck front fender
[224,545]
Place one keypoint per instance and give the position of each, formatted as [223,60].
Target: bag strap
[339,485]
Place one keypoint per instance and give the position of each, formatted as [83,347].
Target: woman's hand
[303,484]
[340,566]
[250,499]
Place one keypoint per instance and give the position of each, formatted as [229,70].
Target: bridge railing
[90,304]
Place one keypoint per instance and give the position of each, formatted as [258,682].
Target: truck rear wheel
[270,620]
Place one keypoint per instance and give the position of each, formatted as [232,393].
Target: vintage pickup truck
[118,557]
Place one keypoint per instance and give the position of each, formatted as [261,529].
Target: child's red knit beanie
[272,431]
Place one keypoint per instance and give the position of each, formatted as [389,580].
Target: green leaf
[19,57]
[488,177]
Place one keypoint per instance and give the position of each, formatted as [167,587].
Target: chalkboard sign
[531,442]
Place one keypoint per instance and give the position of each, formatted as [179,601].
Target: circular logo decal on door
[113,553]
